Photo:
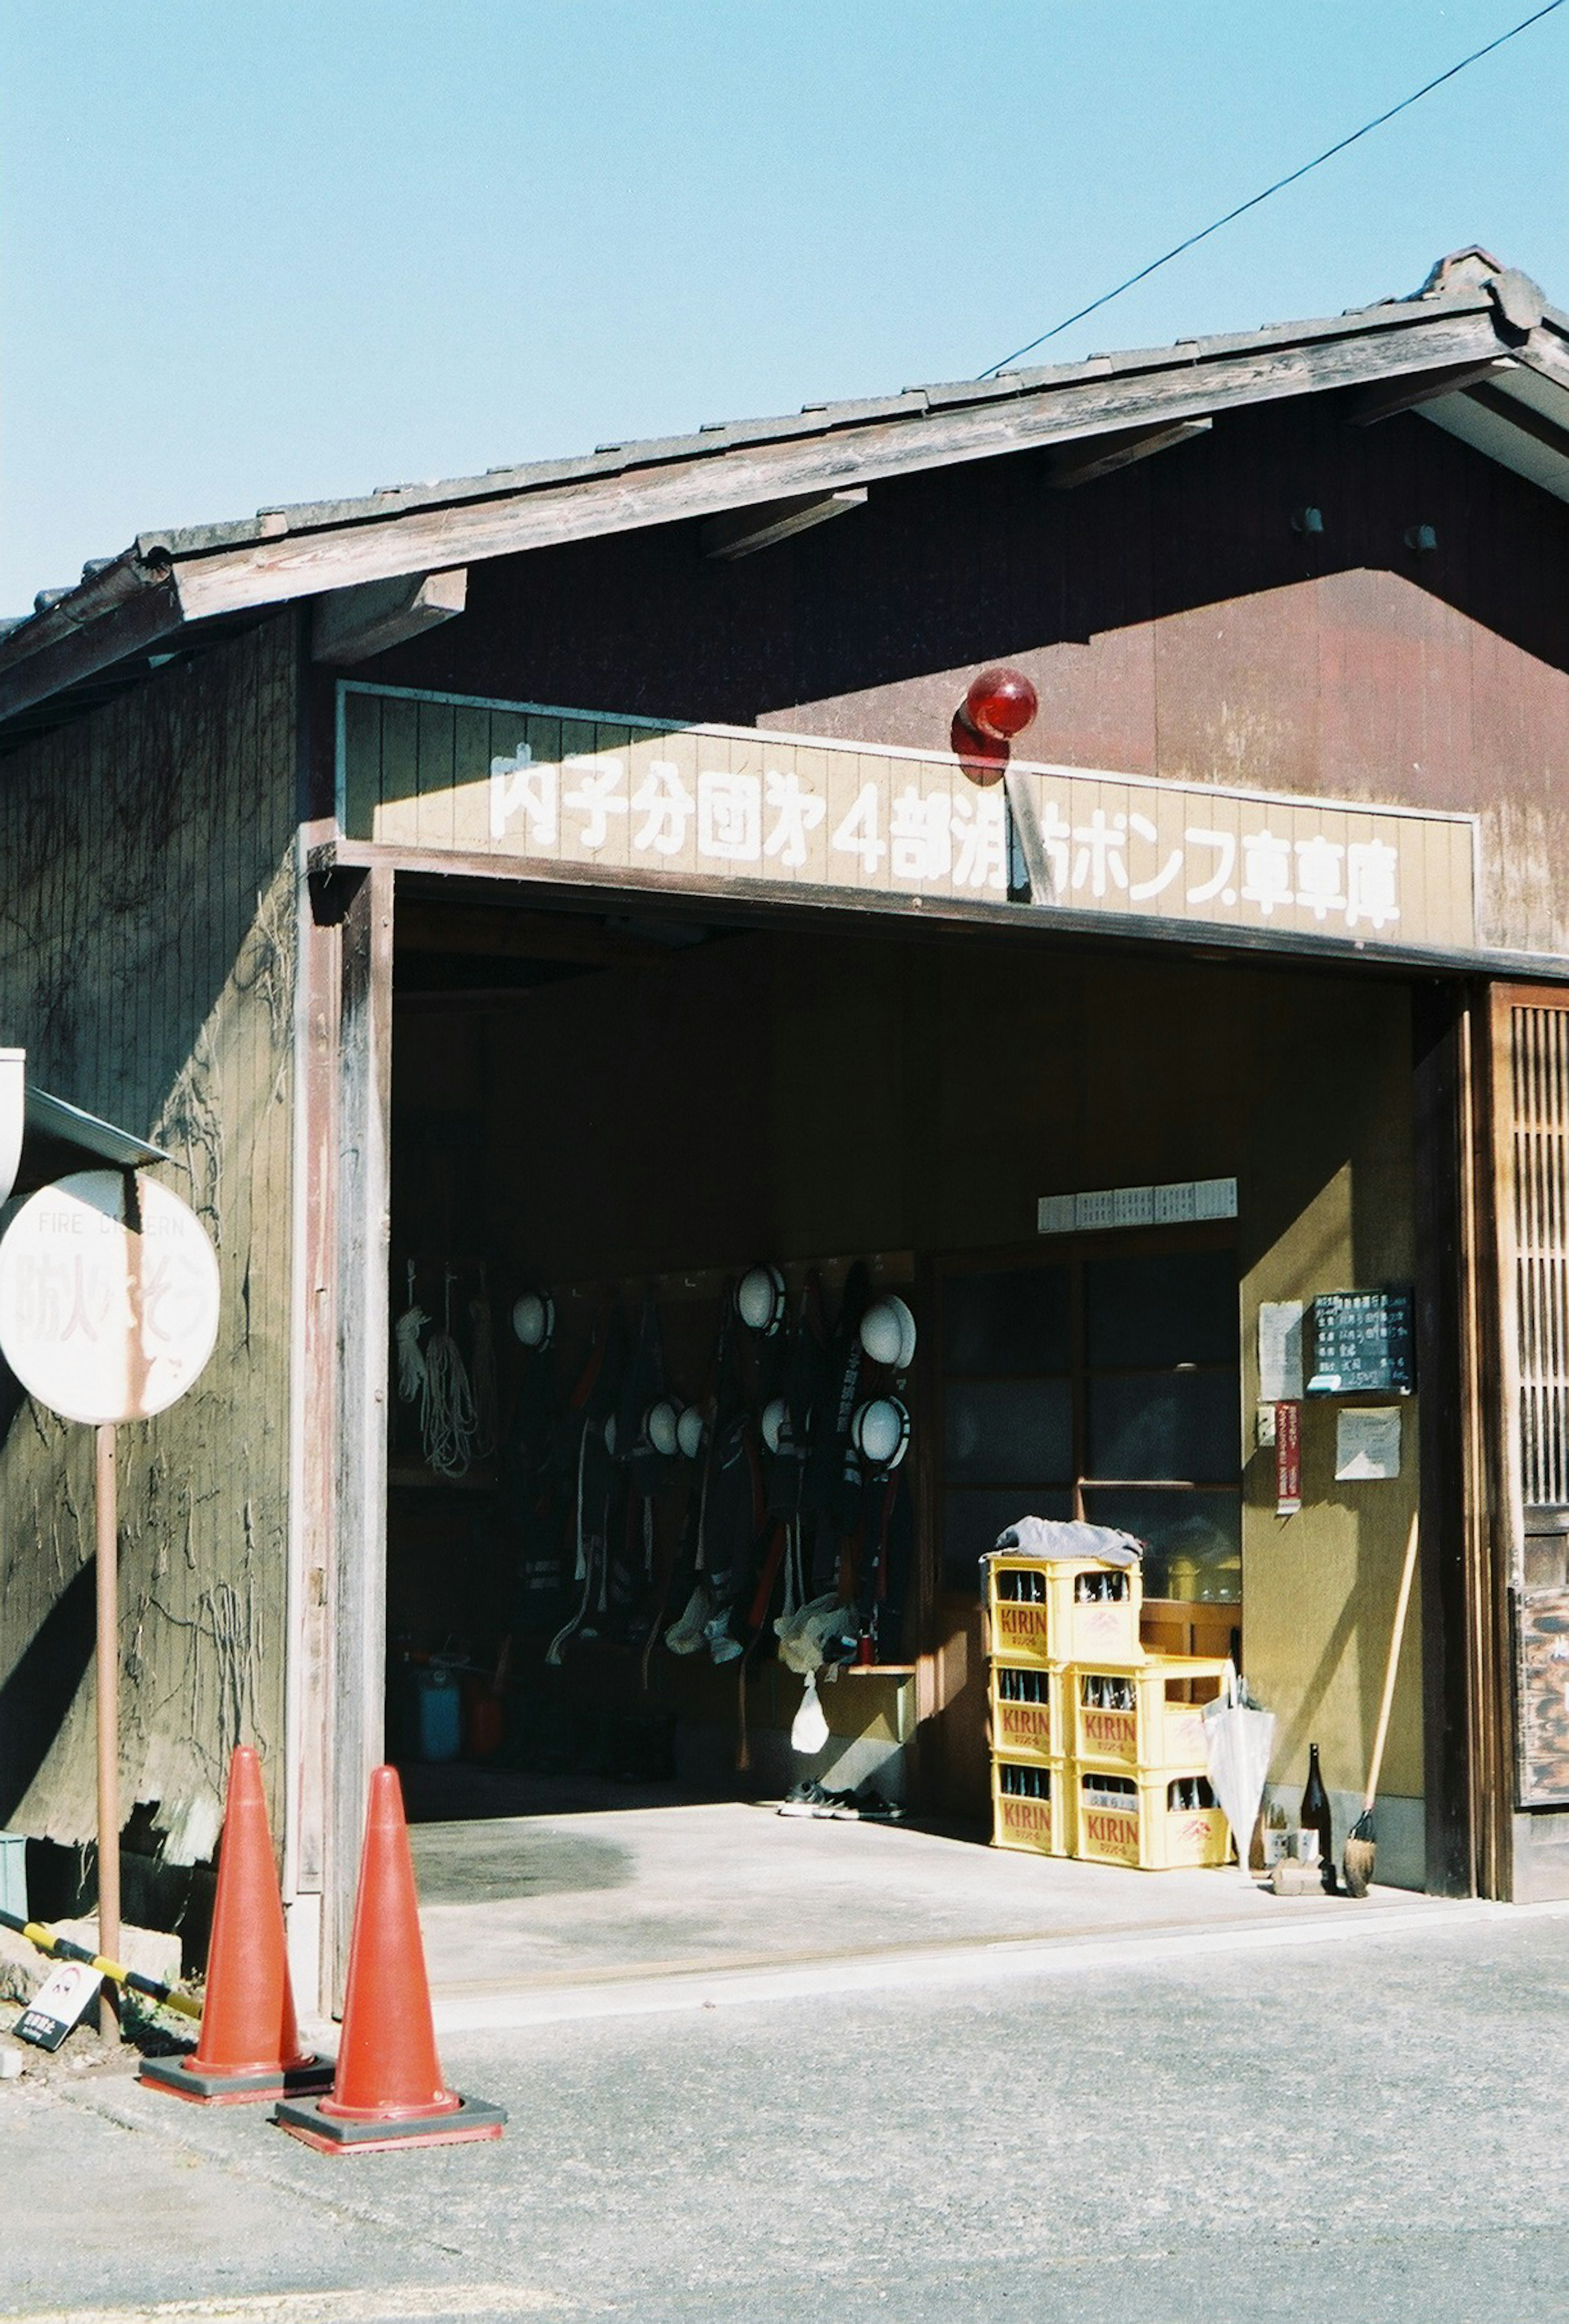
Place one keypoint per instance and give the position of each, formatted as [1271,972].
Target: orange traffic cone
[388,2089]
[249,2047]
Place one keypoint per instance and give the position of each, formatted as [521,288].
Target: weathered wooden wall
[146,961]
[1173,621]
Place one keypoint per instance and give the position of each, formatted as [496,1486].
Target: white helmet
[691,1428]
[534,1319]
[888,1332]
[880,1432]
[661,1426]
[760,1300]
[775,1422]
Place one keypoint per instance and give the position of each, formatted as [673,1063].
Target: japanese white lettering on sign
[575,790]
[1242,874]
[107,1316]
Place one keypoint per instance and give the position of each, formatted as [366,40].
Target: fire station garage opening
[743,1288]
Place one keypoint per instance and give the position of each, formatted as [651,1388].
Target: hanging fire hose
[62,1949]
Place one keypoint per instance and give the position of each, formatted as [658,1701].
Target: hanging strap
[583,1568]
[773,1558]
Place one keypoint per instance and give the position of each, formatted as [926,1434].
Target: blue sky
[263,253]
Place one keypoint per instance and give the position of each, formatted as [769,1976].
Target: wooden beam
[721,900]
[459,1001]
[1391,396]
[1523,416]
[1101,455]
[625,500]
[751,529]
[495,932]
[142,621]
[352,624]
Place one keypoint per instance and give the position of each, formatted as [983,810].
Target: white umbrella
[1238,1737]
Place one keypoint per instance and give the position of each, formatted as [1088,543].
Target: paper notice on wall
[1367,1443]
[1280,1351]
[1287,1459]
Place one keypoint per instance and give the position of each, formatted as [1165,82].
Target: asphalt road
[1372,2129]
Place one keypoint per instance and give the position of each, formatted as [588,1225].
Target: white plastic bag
[1071,1537]
[1238,1737]
[810,1732]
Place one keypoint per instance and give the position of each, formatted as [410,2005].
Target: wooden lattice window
[1540,1091]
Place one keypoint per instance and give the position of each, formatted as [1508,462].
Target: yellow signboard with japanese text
[573,792]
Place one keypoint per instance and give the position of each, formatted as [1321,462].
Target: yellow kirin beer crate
[1062,1609]
[1029,1708]
[1135,1721]
[1032,1807]
[1155,1824]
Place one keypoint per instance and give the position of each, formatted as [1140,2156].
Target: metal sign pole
[107,1514]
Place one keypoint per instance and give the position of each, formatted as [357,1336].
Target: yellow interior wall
[1320,1586]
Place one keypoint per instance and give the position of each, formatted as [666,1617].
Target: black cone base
[474,2119]
[178,2078]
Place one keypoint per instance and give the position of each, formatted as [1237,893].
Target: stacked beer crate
[1097,1748]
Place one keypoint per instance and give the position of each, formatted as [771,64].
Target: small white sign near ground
[60,2002]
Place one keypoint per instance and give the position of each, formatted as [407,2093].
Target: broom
[1360,1844]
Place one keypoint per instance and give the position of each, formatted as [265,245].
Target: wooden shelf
[876,1670]
[408,1478]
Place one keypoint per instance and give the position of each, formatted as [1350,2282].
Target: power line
[1281,183]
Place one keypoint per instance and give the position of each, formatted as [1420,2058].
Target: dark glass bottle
[1316,1814]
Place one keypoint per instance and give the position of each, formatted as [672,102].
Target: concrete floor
[541,1916]
[1365,2129]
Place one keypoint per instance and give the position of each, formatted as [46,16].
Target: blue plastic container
[440,1714]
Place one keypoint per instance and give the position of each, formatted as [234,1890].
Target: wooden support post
[1491,1442]
[313,1415]
[359,1579]
[1465,1529]
[106,1515]
[1444,1258]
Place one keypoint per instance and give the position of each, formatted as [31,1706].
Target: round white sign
[101,1318]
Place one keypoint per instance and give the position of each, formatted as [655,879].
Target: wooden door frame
[1462,1342]
[343,1349]
[1469,1485]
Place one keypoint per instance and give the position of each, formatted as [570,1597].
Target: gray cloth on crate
[1065,1537]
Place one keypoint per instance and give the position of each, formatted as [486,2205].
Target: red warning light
[1000,703]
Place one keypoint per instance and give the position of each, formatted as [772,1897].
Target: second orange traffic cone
[249,2047]
[387,2090]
